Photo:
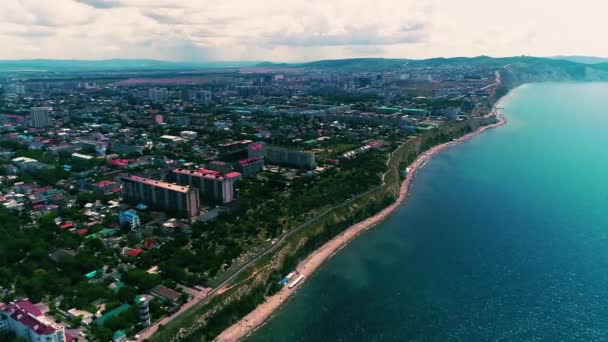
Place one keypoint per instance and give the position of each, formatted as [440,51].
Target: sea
[503,238]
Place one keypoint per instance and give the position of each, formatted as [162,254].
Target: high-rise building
[17,89]
[220,166]
[255,150]
[158,95]
[283,156]
[200,96]
[203,96]
[39,117]
[25,320]
[250,167]
[213,187]
[177,199]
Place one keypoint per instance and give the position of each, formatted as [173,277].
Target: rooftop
[250,160]
[165,292]
[25,313]
[203,173]
[159,184]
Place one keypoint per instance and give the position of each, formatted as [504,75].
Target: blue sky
[298,30]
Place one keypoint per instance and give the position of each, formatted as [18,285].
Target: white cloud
[289,30]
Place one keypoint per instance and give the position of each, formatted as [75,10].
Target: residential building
[39,117]
[17,89]
[107,187]
[158,95]
[213,187]
[283,156]
[188,135]
[166,293]
[26,321]
[234,146]
[255,150]
[180,200]
[250,167]
[220,166]
[203,96]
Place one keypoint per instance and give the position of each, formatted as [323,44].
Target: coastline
[308,266]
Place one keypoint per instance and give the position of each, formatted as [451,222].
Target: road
[200,300]
[203,300]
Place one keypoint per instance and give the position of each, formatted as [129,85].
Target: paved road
[204,300]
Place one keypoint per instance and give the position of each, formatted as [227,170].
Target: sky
[299,30]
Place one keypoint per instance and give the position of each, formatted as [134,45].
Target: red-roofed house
[120,162]
[107,187]
[149,244]
[135,252]
[81,232]
[67,225]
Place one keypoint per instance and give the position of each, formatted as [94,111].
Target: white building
[26,321]
[188,135]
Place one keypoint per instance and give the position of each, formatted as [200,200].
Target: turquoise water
[504,238]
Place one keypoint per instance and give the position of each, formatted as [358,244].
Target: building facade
[158,95]
[220,166]
[213,187]
[250,167]
[283,156]
[255,150]
[182,201]
[39,117]
[26,321]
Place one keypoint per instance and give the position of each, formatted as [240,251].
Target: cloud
[101,4]
[350,35]
[295,30]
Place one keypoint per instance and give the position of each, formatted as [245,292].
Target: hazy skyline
[297,30]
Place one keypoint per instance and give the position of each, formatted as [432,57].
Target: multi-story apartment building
[250,167]
[213,187]
[283,156]
[26,321]
[177,199]
[158,95]
[39,117]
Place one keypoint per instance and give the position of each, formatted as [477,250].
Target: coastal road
[201,300]
[204,300]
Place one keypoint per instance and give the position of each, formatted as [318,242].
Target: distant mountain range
[582,59]
[66,65]
[518,69]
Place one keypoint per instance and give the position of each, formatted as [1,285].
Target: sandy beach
[264,311]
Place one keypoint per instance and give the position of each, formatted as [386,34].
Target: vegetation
[204,323]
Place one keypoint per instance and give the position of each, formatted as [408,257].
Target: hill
[66,65]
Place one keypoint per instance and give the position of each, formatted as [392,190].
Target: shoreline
[263,312]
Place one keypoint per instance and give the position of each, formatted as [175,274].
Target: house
[107,187]
[166,293]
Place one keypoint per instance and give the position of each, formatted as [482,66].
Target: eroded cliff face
[520,73]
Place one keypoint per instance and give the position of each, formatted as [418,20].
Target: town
[126,197]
